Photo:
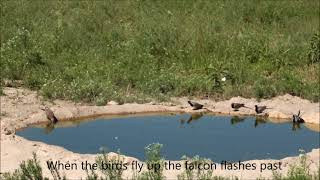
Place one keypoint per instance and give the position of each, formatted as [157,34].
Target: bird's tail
[248,107]
[208,109]
[55,120]
[190,103]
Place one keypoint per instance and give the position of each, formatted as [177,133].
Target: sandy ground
[21,107]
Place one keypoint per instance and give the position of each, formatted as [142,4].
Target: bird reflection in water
[193,117]
[49,128]
[296,126]
[182,121]
[259,120]
[236,119]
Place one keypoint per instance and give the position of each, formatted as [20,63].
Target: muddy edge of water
[69,122]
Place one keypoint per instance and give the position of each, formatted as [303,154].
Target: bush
[31,170]
[110,173]
[300,171]
[153,156]
[314,49]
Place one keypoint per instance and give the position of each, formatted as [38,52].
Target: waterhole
[215,137]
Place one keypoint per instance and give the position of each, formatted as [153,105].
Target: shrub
[31,170]
[314,49]
[110,173]
[153,156]
[299,171]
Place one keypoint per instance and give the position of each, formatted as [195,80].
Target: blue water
[215,137]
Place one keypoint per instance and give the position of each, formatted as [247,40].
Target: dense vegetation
[95,51]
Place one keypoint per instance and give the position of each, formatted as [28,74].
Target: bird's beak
[42,109]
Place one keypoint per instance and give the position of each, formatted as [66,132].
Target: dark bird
[237,106]
[296,118]
[50,115]
[195,105]
[260,109]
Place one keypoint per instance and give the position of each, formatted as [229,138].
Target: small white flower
[224,79]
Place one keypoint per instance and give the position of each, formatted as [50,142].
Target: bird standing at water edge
[195,105]
[50,115]
[237,106]
[297,118]
[260,109]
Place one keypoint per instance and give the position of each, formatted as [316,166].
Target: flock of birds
[296,118]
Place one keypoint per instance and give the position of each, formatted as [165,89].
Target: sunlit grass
[96,51]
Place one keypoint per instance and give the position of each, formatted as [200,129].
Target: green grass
[153,158]
[96,51]
[108,172]
[31,170]
[1,91]
[299,171]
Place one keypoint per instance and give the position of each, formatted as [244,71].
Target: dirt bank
[20,107]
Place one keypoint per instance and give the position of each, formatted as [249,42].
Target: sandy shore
[21,107]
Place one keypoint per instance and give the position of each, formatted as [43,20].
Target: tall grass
[95,51]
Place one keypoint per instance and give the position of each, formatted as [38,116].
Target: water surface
[215,137]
